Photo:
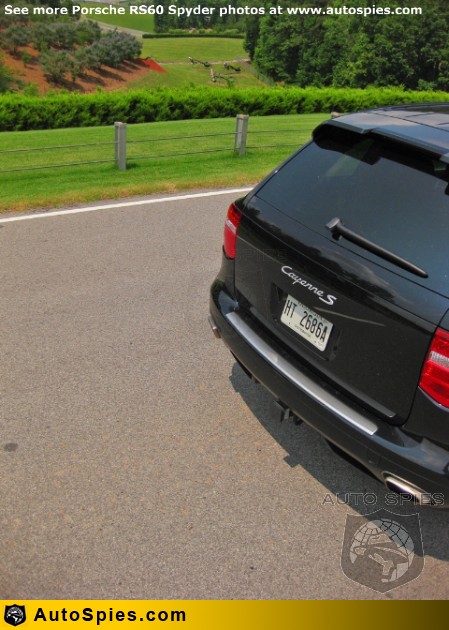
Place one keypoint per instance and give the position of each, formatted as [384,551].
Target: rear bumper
[382,448]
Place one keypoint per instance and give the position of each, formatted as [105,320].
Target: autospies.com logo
[15,615]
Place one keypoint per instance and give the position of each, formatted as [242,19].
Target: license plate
[308,324]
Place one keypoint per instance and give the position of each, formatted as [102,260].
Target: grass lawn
[203,48]
[143,23]
[71,185]
[186,75]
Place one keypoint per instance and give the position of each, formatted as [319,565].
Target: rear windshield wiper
[338,230]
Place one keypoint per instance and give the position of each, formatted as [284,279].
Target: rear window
[392,195]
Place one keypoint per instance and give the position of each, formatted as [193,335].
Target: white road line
[126,204]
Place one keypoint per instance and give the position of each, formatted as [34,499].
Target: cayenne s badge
[324,297]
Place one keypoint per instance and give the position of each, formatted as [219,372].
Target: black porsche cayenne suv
[334,291]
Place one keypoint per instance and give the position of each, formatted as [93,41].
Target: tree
[43,36]
[6,78]
[26,58]
[113,48]
[87,32]
[278,48]
[252,31]
[77,65]
[16,36]
[55,65]
[64,35]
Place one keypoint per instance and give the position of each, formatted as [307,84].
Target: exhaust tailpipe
[406,488]
[214,327]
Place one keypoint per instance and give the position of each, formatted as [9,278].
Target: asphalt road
[137,460]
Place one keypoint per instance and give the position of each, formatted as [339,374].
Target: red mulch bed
[109,79]
[150,63]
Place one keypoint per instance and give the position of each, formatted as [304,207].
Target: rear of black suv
[334,291]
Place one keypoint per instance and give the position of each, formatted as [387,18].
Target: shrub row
[19,112]
[195,34]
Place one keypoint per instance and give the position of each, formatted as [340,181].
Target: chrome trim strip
[303,382]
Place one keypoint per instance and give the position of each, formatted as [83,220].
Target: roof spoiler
[392,132]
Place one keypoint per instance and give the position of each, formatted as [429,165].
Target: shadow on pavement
[306,448]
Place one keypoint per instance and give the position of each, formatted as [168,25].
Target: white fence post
[120,145]
[241,131]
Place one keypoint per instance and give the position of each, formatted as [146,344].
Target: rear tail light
[230,230]
[435,373]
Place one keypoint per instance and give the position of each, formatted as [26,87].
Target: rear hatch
[360,319]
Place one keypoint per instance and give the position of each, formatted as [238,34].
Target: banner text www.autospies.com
[100,616]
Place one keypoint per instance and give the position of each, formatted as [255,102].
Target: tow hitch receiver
[281,412]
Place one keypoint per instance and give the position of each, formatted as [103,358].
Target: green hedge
[195,35]
[18,112]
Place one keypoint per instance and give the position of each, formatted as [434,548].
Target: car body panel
[369,318]
[359,383]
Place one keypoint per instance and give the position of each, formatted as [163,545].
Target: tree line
[165,22]
[354,51]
